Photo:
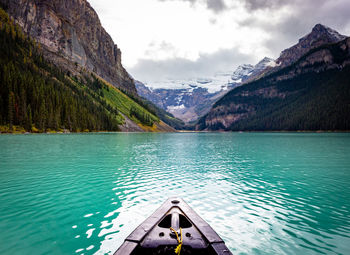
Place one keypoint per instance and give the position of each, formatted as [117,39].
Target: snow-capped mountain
[242,73]
[247,72]
[212,83]
[191,98]
[185,101]
[263,64]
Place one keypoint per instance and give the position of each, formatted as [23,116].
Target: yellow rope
[178,248]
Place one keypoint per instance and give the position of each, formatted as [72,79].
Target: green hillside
[165,116]
[37,96]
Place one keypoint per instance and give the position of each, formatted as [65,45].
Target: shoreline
[177,131]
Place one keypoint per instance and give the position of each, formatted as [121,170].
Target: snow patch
[217,82]
[175,107]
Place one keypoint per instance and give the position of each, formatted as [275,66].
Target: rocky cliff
[71,36]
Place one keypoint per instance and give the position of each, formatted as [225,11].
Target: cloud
[160,50]
[298,19]
[180,68]
[283,32]
[254,5]
[216,6]
[177,38]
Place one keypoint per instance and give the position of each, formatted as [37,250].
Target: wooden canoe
[154,235]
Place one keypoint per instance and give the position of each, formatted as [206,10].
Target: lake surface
[264,193]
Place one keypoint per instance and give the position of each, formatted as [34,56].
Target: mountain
[38,95]
[311,93]
[72,37]
[262,65]
[184,103]
[242,73]
[189,99]
[319,35]
[165,116]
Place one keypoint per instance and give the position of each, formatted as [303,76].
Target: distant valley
[192,98]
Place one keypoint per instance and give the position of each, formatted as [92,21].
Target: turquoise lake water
[264,193]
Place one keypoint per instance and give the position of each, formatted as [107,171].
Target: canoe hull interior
[154,235]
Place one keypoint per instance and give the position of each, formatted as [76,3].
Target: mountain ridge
[320,34]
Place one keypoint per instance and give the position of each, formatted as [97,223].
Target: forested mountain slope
[313,93]
[38,96]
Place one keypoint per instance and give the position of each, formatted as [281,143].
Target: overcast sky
[162,39]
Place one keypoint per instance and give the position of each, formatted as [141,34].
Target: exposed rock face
[71,30]
[147,93]
[319,35]
[319,60]
[222,117]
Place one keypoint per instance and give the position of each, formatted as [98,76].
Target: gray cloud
[178,68]
[253,5]
[154,48]
[307,15]
[299,22]
[216,6]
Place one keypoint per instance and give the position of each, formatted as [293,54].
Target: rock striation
[72,36]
